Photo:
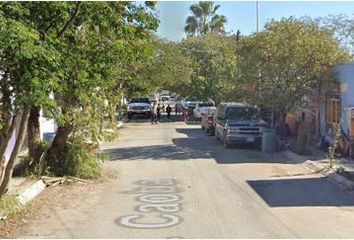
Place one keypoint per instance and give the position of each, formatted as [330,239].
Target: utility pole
[238,39]
[257,14]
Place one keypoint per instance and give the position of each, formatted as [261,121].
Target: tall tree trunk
[34,135]
[55,154]
[15,152]
[5,139]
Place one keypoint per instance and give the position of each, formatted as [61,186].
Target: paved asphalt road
[176,182]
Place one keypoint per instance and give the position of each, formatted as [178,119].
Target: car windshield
[139,100]
[242,113]
[190,99]
[206,105]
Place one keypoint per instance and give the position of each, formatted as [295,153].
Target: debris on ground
[53,181]
[3,216]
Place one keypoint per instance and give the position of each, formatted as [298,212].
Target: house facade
[327,107]
[344,74]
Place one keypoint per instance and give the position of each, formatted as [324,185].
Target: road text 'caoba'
[159,205]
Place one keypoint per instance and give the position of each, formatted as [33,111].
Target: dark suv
[238,123]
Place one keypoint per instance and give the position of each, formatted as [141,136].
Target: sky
[241,15]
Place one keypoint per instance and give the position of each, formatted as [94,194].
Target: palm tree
[205,20]
[217,24]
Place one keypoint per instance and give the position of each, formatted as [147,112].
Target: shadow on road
[197,140]
[157,152]
[297,192]
[314,192]
[196,145]
[140,119]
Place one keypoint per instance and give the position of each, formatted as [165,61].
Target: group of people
[156,112]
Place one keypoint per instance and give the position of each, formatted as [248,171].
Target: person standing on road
[168,110]
[153,114]
[158,112]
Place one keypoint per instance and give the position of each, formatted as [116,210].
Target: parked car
[238,123]
[153,99]
[202,108]
[139,106]
[164,98]
[207,122]
[189,102]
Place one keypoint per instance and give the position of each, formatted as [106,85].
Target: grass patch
[10,205]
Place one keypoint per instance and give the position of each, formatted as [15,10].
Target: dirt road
[173,181]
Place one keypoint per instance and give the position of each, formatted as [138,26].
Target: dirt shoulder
[60,196]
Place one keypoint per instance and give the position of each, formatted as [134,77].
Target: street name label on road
[157,196]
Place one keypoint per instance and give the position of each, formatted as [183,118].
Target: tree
[205,20]
[341,27]
[204,67]
[170,68]
[215,67]
[286,61]
[22,57]
[102,36]
[73,51]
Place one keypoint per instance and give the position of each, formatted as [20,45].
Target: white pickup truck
[202,108]
[139,106]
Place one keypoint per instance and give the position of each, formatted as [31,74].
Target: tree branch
[71,20]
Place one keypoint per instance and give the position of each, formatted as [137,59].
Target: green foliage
[341,27]
[26,167]
[287,61]
[205,20]
[214,67]
[81,53]
[82,161]
[203,67]
[10,205]
[170,69]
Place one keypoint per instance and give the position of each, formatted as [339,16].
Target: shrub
[82,160]
[10,205]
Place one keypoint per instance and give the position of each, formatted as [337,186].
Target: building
[344,75]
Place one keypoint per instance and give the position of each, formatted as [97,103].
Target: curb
[331,174]
[30,193]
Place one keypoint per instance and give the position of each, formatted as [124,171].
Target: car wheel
[212,132]
[216,135]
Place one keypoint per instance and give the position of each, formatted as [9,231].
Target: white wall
[46,125]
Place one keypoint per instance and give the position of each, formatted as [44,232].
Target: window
[139,100]
[206,104]
[333,110]
[242,113]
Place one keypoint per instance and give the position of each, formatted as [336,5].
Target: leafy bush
[82,160]
[27,167]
